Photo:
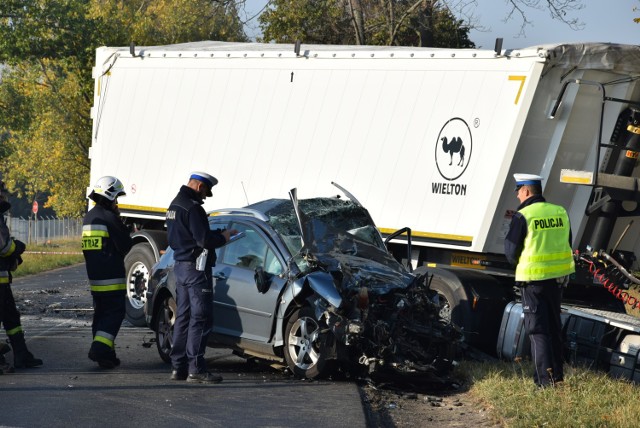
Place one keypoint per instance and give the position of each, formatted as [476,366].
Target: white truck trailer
[424,138]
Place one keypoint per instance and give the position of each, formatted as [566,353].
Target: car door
[240,311]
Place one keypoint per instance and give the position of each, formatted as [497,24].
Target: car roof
[269,206]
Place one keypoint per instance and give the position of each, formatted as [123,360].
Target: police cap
[207,179]
[527,179]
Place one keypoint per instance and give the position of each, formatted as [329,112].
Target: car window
[272,264]
[251,251]
[214,226]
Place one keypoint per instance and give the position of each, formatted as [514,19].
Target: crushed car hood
[357,272]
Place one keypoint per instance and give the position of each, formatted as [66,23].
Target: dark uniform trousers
[109,311]
[194,318]
[9,314]
[541,306]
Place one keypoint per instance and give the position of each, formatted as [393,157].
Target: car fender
[322,283]
[288,296]
[319,282]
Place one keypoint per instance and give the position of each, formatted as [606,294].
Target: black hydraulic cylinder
[624,167]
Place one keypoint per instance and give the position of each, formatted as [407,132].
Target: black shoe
[105,361]
[110,363]
[179,374]
[26,360]
[206,377]
[22,358]
[4,366]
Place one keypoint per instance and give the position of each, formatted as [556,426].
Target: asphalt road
[70,390]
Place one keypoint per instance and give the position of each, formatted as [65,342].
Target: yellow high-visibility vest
[546,253]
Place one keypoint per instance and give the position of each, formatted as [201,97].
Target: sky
[604,21]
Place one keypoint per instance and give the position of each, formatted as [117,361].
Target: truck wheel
[164,329]
[477,308]
[451,302]
[138,265]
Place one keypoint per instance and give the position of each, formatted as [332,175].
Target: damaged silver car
[312,284]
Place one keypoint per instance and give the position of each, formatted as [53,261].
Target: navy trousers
[541,305]
[9,315]
[194,318]
[109,309]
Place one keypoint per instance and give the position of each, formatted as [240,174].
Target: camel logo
[453,149]
[455,146]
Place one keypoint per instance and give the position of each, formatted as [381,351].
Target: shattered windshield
[340,235]
[326,220]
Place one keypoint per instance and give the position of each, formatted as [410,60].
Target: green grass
[45,257]
[586,398]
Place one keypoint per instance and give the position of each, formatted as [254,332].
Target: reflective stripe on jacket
[8,249]
[105,243]
[546,253]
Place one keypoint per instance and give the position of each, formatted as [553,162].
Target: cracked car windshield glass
[339,235]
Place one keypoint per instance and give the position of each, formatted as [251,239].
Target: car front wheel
[304,351]
[164,329]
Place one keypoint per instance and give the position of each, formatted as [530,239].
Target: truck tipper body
[428,139]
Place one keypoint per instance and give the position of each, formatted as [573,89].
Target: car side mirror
[262,279]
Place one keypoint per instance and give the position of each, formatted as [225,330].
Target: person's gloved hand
[20,247]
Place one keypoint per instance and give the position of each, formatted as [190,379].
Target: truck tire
[476,307]
[138,265]
[452,302]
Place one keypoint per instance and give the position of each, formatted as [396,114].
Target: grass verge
[44,257]
[585,399]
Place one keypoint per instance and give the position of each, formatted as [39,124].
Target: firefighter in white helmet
[105,243]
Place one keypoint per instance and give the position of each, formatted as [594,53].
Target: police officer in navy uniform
[194,244]
[538,244]
[10,251]
[105,243]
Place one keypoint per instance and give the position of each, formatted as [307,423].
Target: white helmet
[108,187]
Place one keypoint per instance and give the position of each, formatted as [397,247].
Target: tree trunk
[357,17]
[391,22]
[426,23]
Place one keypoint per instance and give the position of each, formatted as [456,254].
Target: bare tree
[389,21]
[560,10]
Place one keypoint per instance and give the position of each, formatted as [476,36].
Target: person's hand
[228,233]
[20,247]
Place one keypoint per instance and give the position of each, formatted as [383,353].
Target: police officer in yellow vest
[538,244]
